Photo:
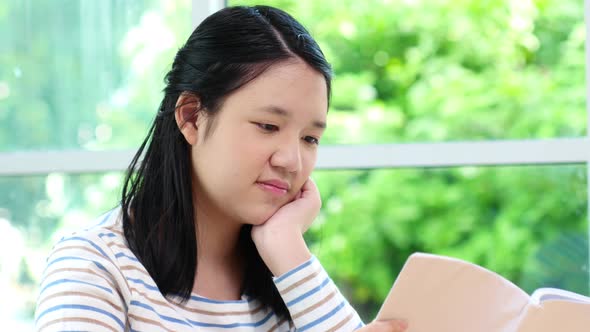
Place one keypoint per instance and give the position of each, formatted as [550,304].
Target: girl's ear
[186,113]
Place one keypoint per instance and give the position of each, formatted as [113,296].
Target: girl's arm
[313,300]
[279,240]
[78,291]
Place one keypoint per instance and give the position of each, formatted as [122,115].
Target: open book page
[546,294]
[442,294]
[556,315]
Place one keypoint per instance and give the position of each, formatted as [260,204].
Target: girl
[209,233]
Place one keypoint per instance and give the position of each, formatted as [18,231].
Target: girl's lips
[272,189]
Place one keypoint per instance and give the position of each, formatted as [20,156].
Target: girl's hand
[385,326]
[280,239]
[297,215]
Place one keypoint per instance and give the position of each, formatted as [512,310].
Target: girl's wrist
[281,250]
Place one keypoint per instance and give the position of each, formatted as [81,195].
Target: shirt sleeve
[314,301]
[78,291]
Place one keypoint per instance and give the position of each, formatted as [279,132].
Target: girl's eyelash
[271,128]
[267,127]
[313,140]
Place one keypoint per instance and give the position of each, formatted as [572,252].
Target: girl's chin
[255,223]
[261,217]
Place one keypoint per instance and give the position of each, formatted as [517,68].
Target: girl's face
[262,145]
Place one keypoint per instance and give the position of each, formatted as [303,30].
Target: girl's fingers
[308,187]
[386,326]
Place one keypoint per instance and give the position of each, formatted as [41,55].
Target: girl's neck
[220,267]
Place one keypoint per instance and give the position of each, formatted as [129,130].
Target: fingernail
[402,324]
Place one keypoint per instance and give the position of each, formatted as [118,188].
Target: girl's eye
[267,127]
[311,140]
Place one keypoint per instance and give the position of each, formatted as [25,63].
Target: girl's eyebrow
[286,114]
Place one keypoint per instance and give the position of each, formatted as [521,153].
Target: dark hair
[226,51]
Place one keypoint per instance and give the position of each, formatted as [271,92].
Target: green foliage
[500,218]
[450,70]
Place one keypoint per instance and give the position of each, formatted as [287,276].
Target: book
[442,294]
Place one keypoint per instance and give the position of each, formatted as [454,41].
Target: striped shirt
[93,282]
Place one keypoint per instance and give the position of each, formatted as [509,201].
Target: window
[415,71]
[75,76]
[528,223]
[457,127]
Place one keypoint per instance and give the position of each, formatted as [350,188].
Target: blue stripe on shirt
[299,268]
[309,293]
[196,323]
[234,325]
[193,297]
[323,318]
[106,217]
[63,281]
[206,300]
[65,258]
[164,317]
[77,238]
[81,307]
[141,282]
[119,255]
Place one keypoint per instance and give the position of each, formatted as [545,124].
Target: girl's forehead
[286,86]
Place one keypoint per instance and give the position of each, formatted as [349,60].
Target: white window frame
[444,154]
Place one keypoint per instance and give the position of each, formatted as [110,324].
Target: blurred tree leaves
[450,70]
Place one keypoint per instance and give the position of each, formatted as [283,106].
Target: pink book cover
[442,294]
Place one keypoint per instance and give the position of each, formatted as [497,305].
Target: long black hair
[226,51]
